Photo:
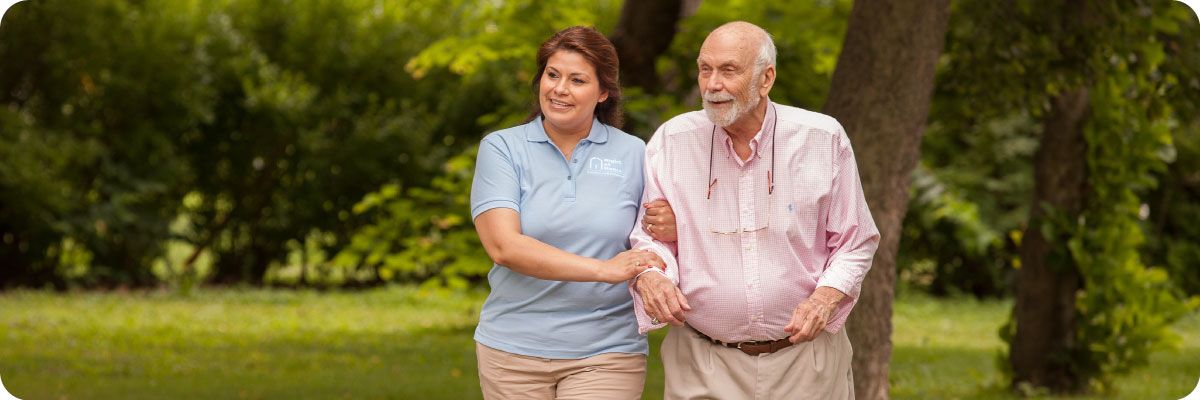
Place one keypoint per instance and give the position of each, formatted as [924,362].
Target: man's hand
[662,299]
[659,221]
[813,314]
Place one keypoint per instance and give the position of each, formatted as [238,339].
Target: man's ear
[768,81]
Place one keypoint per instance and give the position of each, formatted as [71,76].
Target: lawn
[401,342]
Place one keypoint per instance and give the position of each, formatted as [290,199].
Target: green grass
[401,342]
[390,343]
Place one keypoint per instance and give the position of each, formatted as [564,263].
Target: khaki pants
[698,369]
[504,375]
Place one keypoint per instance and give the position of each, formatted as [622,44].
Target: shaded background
[320,144]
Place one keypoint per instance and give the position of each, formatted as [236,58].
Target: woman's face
[569,92]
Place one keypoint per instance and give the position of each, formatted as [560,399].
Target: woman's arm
[659,221]
[500,231]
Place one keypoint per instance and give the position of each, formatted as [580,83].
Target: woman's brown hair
[600,53]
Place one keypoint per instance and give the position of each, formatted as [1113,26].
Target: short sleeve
[496,183]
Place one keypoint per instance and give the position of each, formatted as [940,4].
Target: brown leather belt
[751,348]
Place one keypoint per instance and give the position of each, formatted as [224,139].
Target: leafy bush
[425,234]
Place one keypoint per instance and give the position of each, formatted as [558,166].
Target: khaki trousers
[698,369]
[504,375]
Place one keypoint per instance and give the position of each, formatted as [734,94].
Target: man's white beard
[725,118]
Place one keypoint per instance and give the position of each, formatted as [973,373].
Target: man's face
[728,78]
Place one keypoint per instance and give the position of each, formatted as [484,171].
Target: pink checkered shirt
[813,230]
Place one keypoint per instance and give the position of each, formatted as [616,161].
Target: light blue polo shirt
[587,206]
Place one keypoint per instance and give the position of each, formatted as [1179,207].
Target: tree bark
[644,32]
[881,94]
[1047,280]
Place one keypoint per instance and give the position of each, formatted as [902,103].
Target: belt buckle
[739,345]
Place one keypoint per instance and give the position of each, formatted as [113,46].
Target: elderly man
[772,231]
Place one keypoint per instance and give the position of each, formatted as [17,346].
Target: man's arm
[852,238]
[656,296]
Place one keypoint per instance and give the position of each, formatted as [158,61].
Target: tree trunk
[644,32]
[881,93]
[1047,280]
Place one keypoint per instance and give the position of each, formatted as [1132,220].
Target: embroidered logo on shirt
[604,166]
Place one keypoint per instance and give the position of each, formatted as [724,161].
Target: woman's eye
[579,81]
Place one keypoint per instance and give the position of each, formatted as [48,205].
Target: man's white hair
[766,52]
[766,46]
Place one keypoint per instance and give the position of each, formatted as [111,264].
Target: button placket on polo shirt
[574,170]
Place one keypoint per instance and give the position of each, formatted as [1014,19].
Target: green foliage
[973,186]
[83,113]
[808,37]
[1114,50]
[949,246]
[426,234]
[496,45]
[318,113]
[278,115]
[1173,237]
[182,266]
[1126,307]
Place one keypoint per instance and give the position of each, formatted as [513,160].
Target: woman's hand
[627,264]
[659,221]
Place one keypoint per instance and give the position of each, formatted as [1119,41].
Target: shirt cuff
[633,281]
[842,281]
[643,319]
[841,314]
[846,282]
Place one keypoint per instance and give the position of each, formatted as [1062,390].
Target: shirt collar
[767,125]
[536,132]
[760,138]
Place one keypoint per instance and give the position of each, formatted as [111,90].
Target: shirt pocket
[805,213]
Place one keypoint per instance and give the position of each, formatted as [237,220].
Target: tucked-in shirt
[749,255]
[586,205]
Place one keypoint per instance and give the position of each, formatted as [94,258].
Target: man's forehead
[726,47]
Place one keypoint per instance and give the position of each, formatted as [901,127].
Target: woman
[554,201]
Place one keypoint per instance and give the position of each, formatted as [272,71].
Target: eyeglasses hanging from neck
[712,182]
